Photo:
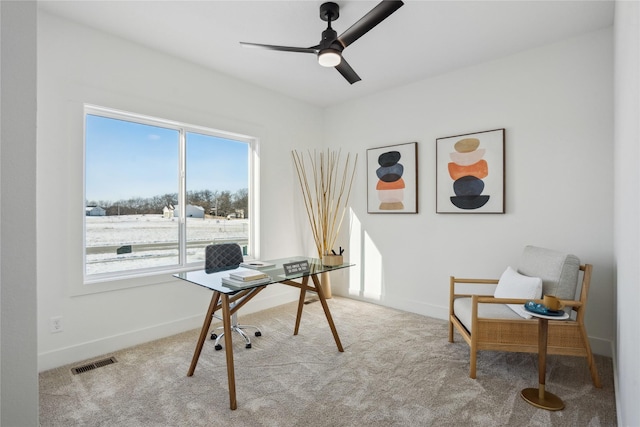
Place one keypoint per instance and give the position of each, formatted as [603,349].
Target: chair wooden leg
[473,348]
[594,371]
[590,361]
[472,364]
[451,293]
[450,330]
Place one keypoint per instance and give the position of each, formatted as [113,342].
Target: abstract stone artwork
[392,179]
[470,175]
[390,186]
[467,176]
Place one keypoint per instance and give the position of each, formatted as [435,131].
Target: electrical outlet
[55,324]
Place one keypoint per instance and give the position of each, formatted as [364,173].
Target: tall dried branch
[326,189]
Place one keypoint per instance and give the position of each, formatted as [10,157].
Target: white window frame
[183,129]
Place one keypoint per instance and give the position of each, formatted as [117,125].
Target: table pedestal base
[541,399]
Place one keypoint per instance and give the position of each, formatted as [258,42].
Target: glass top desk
[231,300]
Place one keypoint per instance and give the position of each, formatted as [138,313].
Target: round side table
[539,397]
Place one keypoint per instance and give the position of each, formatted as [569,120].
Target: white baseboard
[616,383]
[601,346]
[105,345]
[102,346]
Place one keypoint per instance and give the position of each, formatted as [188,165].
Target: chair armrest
[476,281]
[454,280]
[493,300]
[569,303]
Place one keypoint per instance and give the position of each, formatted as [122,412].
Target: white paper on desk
[256,265]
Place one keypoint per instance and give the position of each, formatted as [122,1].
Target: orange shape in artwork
[394,185]
[479,170]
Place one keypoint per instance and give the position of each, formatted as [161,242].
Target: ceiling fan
[329,51]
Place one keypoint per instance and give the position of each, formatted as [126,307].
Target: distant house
[239,213]
[95,211]
[168,211]
[192,211]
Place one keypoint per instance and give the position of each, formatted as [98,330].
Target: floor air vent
[93,365]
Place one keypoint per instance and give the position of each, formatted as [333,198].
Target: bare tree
[241,201]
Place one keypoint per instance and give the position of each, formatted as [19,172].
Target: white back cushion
[559,271]
[515,285]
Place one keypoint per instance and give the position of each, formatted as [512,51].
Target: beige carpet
[398,369]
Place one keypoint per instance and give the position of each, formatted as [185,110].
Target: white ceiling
[420,40]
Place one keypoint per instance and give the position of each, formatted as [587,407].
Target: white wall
[627,208]
[78,65]
[18,344]
[555,103]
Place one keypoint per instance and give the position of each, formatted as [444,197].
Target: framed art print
[470,173]
[392,179]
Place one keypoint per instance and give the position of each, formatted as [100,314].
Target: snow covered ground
[153,240]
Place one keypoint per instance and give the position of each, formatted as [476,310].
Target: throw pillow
[515,285]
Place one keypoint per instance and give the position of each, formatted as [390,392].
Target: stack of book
[245,279]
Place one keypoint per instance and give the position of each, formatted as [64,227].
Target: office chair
[227,256]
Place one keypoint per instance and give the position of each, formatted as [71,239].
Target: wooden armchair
[487,323]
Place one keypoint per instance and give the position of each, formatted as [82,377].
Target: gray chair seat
[462,308]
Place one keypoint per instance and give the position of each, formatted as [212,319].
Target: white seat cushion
[462,310]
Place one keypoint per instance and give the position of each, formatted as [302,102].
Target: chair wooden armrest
[476,281]
[452,285]
[453,280]
[492,300]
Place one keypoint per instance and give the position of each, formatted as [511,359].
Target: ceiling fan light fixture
[329,57]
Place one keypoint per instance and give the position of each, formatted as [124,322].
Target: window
[157,192]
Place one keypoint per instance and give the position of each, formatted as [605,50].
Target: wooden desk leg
[204,332]
[540,397]
[303,292]
[327,313]
[228,344]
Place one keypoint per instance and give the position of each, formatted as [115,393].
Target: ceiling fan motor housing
[329,36]
[329,10]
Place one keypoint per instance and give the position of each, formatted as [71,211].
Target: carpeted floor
[398,369]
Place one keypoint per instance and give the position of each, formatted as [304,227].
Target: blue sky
[126,159]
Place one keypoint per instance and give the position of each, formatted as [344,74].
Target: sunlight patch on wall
[365,279]
[355,253]
[372,261]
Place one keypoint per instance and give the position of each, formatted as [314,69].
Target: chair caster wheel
[258,334]
[218,347]
[214,336]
